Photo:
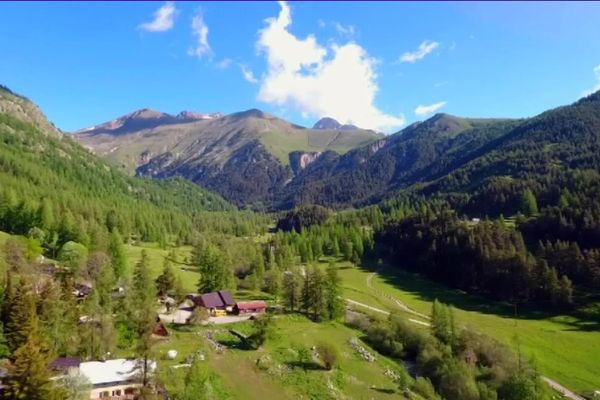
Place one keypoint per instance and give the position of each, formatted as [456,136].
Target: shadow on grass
[243,294]
[183,328]
[427,290]
[384,390]
[307,366]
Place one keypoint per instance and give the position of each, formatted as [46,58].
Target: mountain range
[248,157]
[257,160]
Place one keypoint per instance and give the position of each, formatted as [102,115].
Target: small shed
[160,331]
[250,307]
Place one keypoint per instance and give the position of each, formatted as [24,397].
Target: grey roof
[65,363]
[226,297]
[220,299]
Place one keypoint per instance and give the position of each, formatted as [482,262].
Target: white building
[113,379]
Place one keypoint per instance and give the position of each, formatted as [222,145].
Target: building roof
[65,363]
[251,305]
[218,299]
[226,297]
[112,371]
[160,329]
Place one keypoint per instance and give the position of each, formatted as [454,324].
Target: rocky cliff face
[299,160]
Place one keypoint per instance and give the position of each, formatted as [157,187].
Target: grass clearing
[276,376]
[565,347]
[156,256]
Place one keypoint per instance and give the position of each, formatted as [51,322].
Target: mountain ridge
[222,153]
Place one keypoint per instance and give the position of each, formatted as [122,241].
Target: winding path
[399,303]
[561,389]
[566,393]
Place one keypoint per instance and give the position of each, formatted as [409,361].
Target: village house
[250,307]
[216,303]
[113,379]
[117,379]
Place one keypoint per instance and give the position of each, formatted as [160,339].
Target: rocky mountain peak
[327,123]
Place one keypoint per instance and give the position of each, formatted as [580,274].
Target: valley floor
[566,348]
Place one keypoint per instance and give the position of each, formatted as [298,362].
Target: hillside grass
[278,377]
[281,144]
[566,348]
[156,256]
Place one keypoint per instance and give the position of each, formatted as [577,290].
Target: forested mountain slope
[48,181]
[461,159]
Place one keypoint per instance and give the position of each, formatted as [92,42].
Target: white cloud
[200,31]
[423,110]
[248,75]
[345,30]
[164,19]
[338,82]
[424,48]
[597,86]
[224,63]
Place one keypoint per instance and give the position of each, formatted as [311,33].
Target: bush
[329,354]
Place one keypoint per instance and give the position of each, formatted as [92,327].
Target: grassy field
[156,256]
[277,377]
[565,348]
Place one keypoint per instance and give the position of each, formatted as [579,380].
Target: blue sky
[378,65]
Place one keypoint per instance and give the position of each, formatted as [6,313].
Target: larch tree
[333,291]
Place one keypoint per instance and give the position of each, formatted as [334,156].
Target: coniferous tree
[291,289]
[117,254]
[29,377]
[21,315]
[165,283]
[215,274]
[333,291]
[144,314]
[273,283]
[4,350]
[529,205]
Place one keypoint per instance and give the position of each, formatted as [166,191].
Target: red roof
[160,330]
[251,305]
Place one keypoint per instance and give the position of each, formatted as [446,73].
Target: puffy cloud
[338,82]
[200,31]
[423,110]
[424,49]
[164,19]
[248,75]
[597,86]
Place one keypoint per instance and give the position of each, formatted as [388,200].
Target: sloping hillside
[48,181]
